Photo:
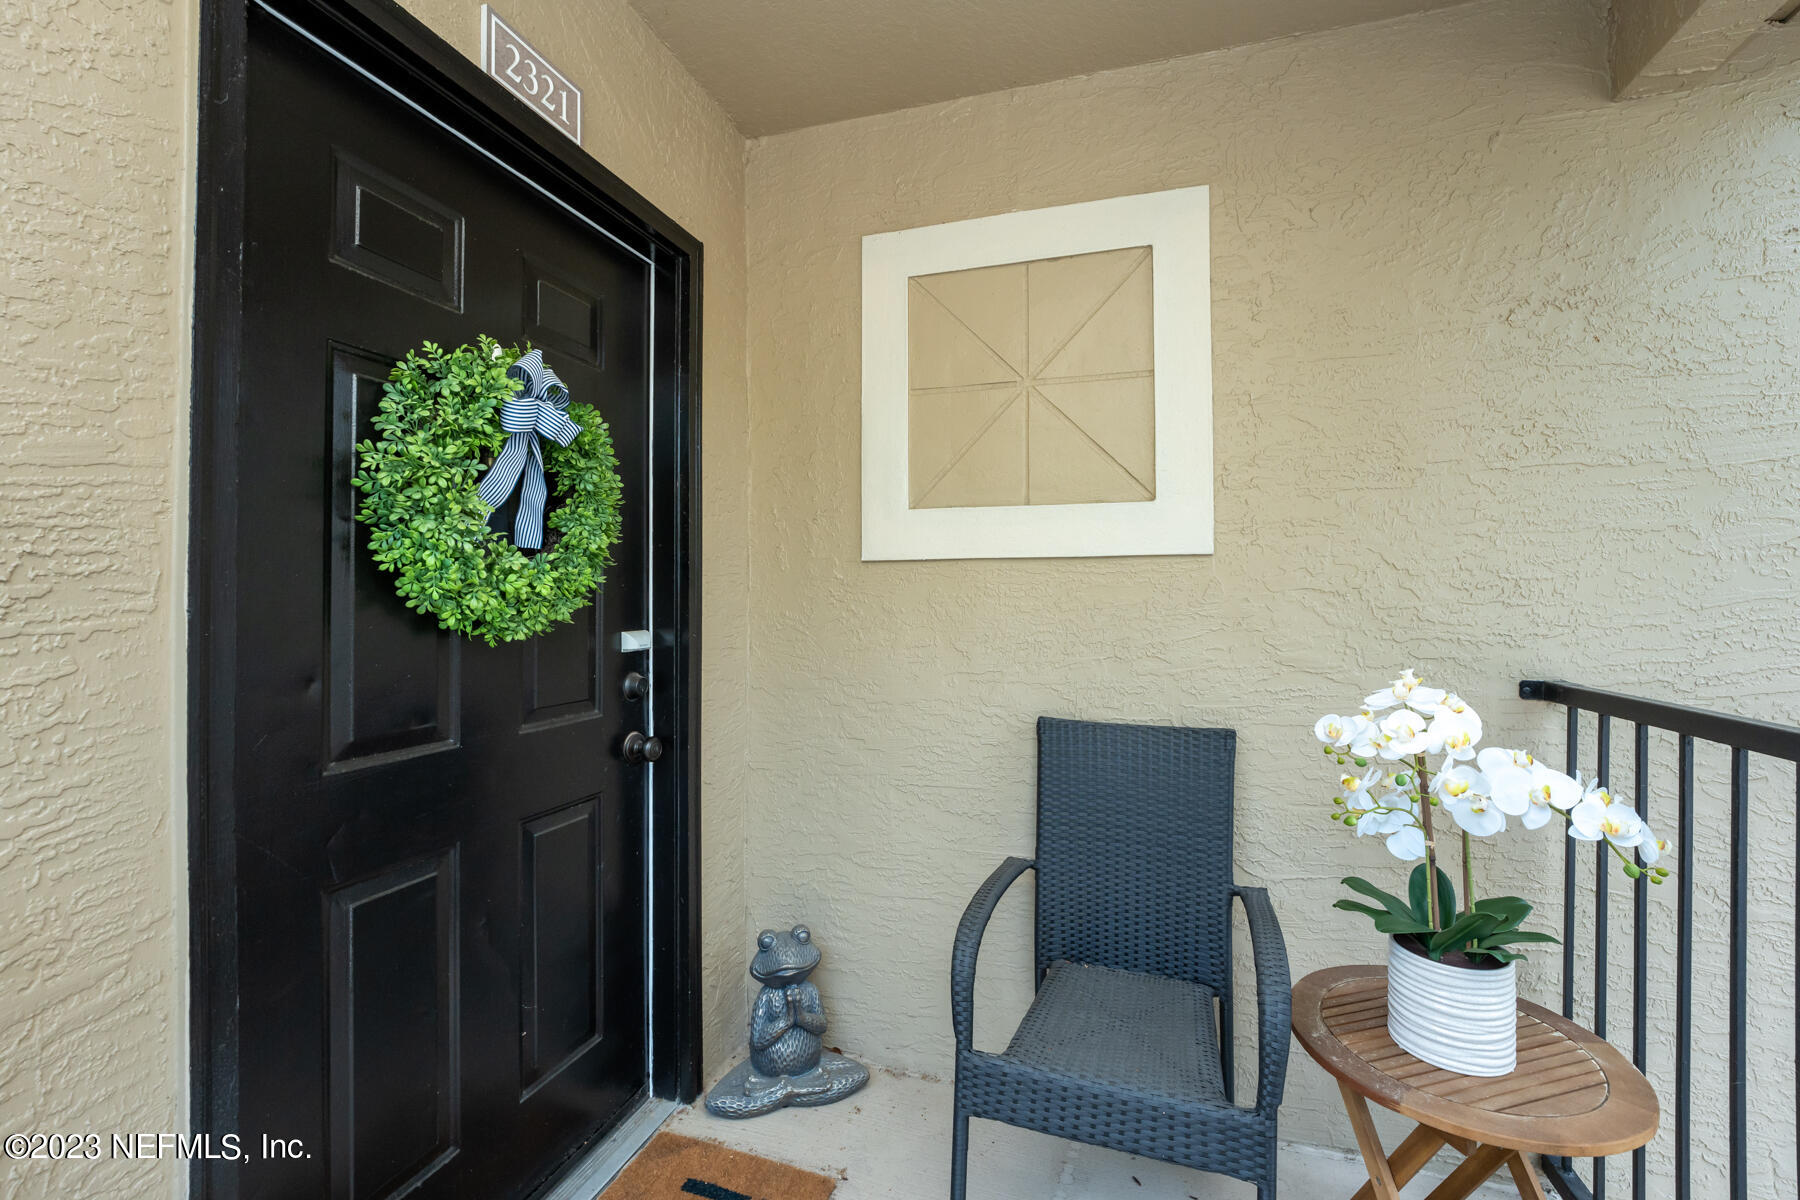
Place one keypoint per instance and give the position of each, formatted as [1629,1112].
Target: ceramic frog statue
[788,1062]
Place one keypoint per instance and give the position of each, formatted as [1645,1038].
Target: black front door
[439,877]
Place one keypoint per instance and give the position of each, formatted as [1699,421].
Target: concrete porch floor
[892,1142]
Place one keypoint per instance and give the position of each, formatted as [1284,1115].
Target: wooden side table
[1571,1093]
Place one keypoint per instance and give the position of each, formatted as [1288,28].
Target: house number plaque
[528,75]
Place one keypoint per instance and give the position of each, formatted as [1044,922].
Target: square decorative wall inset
[1038,384]
[1033,383]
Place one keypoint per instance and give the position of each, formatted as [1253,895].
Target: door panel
[393,980]
[440,913]
[563,981]
[391,679]
[395,233]
[563,669]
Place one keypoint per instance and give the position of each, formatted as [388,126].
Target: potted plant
[1411,769]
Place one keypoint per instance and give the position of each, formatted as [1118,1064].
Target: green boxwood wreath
[437,429]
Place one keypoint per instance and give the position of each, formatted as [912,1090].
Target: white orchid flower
[1405,734]
[1353,786]
[1397,812]
[1408,725]
[1592,791]
[1345,733]
[1478,814]
[1368,821]
[1406,690]
[1563,791]
[1369,740]
[1395,693]
[1493,758]
[1407,844]
[1455,733]
[1529,793]
[1464,794]
[1456,706]
[1517,793]
[1601,815]
[1537,815]
[1454,785]
[1426,700]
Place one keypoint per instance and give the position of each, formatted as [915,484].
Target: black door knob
[641,749]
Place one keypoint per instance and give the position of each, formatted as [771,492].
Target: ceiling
[783,64]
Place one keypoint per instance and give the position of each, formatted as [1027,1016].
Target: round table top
[1572,1092]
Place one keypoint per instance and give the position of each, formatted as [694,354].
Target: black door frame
[391,46]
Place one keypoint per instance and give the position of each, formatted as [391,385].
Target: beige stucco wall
[1504,386]
[95,205]
[96,159]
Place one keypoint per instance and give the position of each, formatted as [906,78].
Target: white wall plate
[905,515]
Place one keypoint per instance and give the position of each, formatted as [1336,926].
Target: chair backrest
[1134,848]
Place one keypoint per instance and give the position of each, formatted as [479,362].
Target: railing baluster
[1740,969]
[1602,777]
[1640,946]
[1684,973]
[1742,737]
[1572,766]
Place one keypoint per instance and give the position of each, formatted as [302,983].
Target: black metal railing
[1741,738]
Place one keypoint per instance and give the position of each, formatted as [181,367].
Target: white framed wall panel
[1175,515]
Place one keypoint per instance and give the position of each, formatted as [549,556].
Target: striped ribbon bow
[541,407]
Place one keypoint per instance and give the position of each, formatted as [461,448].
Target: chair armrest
[1274,997]
[968,946]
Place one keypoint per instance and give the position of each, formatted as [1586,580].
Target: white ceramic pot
[1462,1019]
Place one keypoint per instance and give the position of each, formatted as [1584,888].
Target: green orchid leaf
[1469,927]
[1446,894]
[1415,892]
[1365,909]
[1510,909]
[1387,900]
[1509,937]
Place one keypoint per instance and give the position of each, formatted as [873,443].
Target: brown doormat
[673,1167]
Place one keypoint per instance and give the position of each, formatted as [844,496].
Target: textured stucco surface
[94,214]
[95,162]
[647,120]
[1504,379]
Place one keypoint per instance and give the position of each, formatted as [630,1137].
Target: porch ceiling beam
[1669,45]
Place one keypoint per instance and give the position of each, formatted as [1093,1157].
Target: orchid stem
[1431,891]
[1468,877]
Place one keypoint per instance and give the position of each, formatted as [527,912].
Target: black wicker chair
[1121,1045]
